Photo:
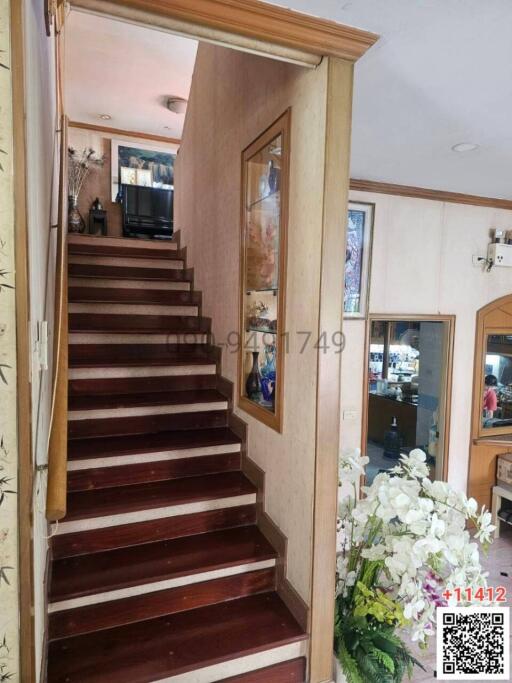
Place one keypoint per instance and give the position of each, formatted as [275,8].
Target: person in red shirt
[490,397]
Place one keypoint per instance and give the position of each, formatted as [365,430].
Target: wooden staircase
[159,571]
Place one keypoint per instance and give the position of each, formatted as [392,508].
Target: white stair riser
[148,458]
[122,242]
[134,372]
[141,411]
[240,665]
[143,589]
[155,513]
[132,309]
[137,338]
[126,261]
[116,283]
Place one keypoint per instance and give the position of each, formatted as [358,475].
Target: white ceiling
[441,74]
[126,71]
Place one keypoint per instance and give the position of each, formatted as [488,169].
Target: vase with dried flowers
[79,165]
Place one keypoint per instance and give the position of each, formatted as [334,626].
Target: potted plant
[79,165]
[402,546]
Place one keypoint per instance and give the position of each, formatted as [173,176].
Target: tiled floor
[497,563]
[377,461]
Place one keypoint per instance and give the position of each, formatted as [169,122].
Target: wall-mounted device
[499,251]
[500,254]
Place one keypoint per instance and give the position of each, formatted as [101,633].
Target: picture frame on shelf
[358,254]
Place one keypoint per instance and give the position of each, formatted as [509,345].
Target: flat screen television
[147,210]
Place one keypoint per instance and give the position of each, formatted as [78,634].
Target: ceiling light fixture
[177,105]
[105,117]
[465,147]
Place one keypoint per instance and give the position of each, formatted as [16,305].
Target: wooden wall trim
[271,530]
[330,305]
[127,133]
[25,469]
[424,193]
[263,22]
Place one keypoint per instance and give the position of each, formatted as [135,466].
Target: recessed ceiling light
[105,117]
[465,147]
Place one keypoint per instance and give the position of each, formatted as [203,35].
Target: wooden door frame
[251,25]
[23,353]
[283,34]
[447,399]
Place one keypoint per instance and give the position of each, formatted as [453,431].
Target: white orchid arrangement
[403,545]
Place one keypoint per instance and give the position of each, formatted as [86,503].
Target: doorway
[407,389]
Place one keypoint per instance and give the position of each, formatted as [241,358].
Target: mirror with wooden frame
[265,169]
[496,383]
[407,389]
[491,431]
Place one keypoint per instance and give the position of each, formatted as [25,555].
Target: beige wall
[249,94]
[422,263]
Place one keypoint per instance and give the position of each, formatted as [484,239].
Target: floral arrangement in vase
[402,547]
[79,165]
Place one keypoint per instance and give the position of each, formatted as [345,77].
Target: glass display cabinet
[265,174]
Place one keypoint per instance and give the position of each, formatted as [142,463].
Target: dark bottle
[392,441]
[253,382]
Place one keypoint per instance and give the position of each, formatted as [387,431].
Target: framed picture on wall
[358,259]
[148,165]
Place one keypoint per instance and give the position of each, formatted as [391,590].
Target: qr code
[473,643]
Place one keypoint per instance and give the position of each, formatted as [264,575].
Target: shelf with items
[257,202]
[264,218]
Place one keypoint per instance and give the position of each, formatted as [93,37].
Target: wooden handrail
[58,441]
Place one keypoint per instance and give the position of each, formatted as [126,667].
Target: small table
[498,493]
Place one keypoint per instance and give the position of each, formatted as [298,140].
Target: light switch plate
[350,414]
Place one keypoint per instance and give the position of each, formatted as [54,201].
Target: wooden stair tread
[148,443]
[117,322]
[115,569]
[161,470]
[159,494]
[292,671]
[159,398]
[99,616]
[110,538]
[154,649]
[144,251]
[109,295]
[128,272]
[101,355]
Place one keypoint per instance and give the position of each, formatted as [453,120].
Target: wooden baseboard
[225,387]
[271,531]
